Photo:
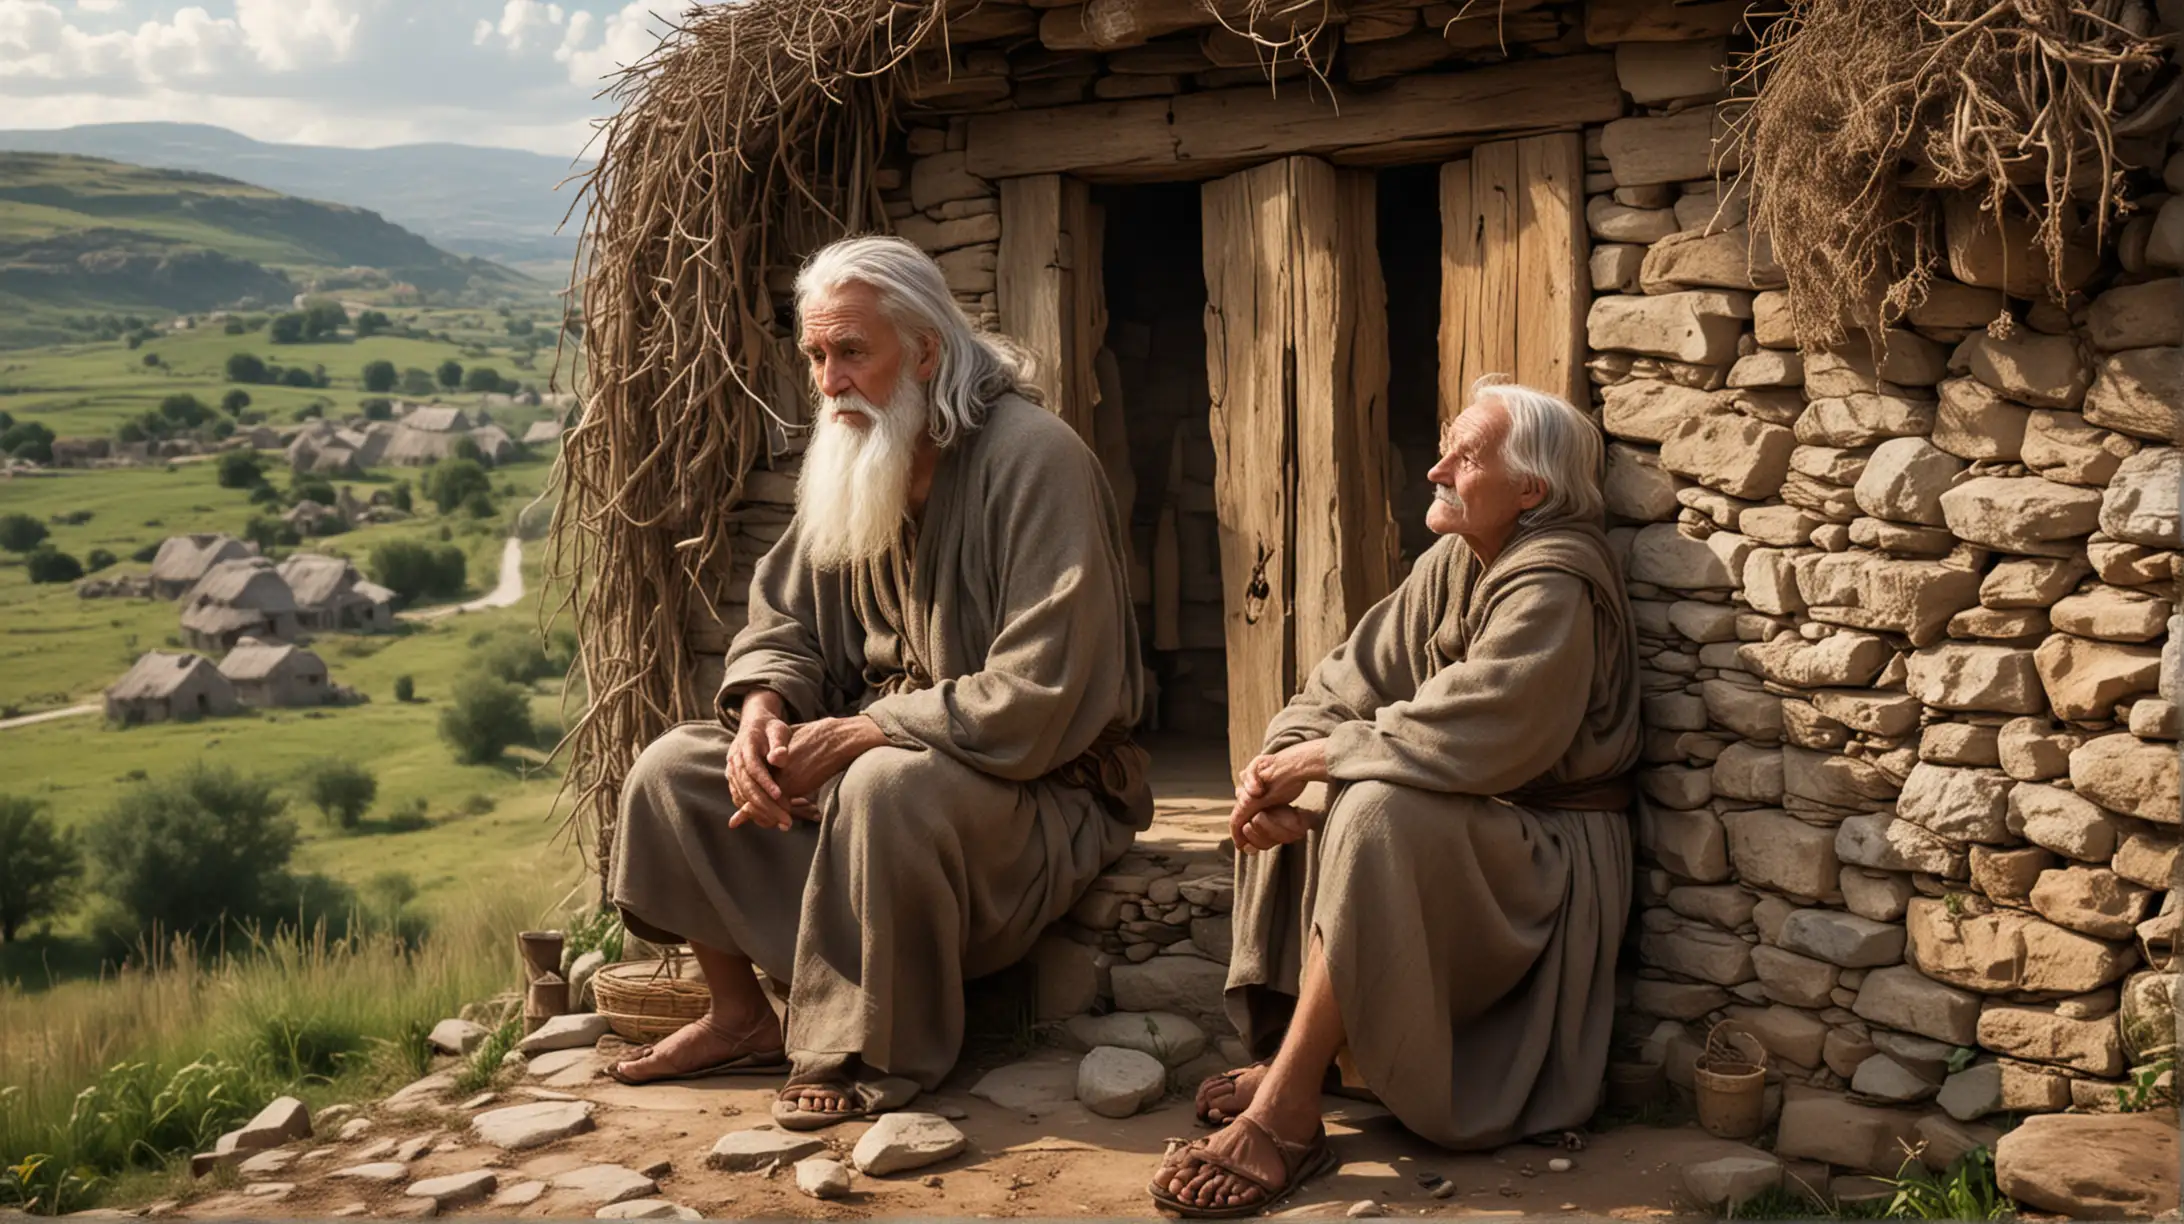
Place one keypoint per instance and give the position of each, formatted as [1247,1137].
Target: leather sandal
[1301,1162]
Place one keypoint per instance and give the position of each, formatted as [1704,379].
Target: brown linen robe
[1469,927]
[997,650]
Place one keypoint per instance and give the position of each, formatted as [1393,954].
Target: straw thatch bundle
[750,136]
[1860,106]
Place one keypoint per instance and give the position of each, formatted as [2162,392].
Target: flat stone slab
[522,1194]
[1033,1086]
[455,1189]
[354,1129]
[899,1142]
[423,1093]
[604,1184]
[283,1119]
[747,1150]
[535,1125]
[266,1164]
[1732,1180]
[1171,1038]
[1115,1083]
[554,1062]
[578,1029]
[646,1209]
[378,1172]
[458,1037]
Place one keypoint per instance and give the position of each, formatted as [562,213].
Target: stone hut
[238,599]
[164,687]
[332,596]
[276,674]
[185,559]
[1904,594]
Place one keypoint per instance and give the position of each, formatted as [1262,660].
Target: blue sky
[521,73]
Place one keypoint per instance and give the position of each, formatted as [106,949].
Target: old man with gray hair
[922,754]
[1449,916]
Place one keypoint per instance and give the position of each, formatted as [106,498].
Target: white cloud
[39,45]
[97,6]
[293,34]
[521,21]
[629,36]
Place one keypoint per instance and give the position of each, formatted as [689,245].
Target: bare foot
[821,1098]
[705,1042]
[1264,1157]
[1223,1098]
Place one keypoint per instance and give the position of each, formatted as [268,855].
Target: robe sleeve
[1059,651]
[1495,721]
[778,647]
[1368,671]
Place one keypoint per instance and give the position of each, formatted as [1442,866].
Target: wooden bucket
[1730,1080]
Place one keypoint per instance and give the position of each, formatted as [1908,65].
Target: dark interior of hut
[1155,289]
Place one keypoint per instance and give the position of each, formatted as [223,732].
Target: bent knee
[1377,811]
[691,754]
[901,792]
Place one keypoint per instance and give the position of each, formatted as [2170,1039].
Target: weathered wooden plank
[1196,133]
[1367,473]
[1552,273]
[1084,304]
[1028,280]
[1479,271]
[1247,222]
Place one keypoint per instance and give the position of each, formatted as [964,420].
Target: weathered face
[1474,492]
[856,349]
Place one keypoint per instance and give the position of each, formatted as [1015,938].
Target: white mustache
[1446,495]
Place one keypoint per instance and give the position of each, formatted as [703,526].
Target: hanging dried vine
[749,137]
[1859,107]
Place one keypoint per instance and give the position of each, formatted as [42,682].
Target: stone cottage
[270,674]
[238,599]
[185,559]
[332,596]
[164,687]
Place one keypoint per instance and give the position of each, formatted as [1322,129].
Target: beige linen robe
[996,649]
[1470,930]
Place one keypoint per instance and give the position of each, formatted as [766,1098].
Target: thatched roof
[415,446]
[187,558]
[248,583]
[257,659]
[494,443]
[542,432]
[439,420]
[315,579]
[213,619]
[157,676]
[374,592]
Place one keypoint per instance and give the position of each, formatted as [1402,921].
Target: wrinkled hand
[817,751]
[757,793]
[1271,827]
[1267,788]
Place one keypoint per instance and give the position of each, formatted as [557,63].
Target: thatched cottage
[1877,302]
[238,599]
[164,687]
[185,559]
[542,433]
[268,674]
[332,596]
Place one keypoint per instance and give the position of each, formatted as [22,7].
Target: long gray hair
[1553,443]
[975,369]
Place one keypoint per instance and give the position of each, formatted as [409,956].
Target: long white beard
[854,490]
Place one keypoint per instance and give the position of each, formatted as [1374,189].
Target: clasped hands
[1267,789]
[774,766]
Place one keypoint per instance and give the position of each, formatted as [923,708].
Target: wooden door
[1514,283]
[1296,363]
[1049,291]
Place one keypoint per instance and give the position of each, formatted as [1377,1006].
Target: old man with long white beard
[922,751]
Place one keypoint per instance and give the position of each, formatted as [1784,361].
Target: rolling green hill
[79,233]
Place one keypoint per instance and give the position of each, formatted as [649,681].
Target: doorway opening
[1408,207]
[1155,288]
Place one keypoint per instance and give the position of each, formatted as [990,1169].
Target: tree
[405,688]
[399,496]
[235,401]
[371,323]
[450,374]
[185,410]
[297,376]
[28,440]
[40,866]
[416,382]
[183,854]
[245,368]
[240,469]
[451,482]
[151,361]
[306,487]
[47,564]
[482,378]
[487,716]
[98,559]
[287,328]
[414,569]
[342,791]
[19,533]
[380,376]
[323,317]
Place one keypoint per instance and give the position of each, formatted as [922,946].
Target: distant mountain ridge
[497,203]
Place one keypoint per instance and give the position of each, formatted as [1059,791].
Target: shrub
[450,374]
[49,564]
[487,717]
[145,555]
[240,469]
[311,488]
[416,382]
[380,376]
[245,368]
[518,657]
[342,791]
[98,559]
[185,854]
[376,408]
[235,401]
[297,376]
[399,496]
[405,689]
[371,323]
[235,327]
[185,410]
[482,378]
[323,316]
[28,440]
[151,361]
[449,484]
[413,569]
[40,866]
[19,533]
[479,505]
[286,328]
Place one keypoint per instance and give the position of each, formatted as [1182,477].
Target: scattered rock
[455,1189]
[458,1037]
[745,1151]
[1034,1086]
[1365,1209]
[554,1062]
[646,1209]
[822,1178]
[479,1101]
[604,1184]
[283,1119]
[1172,1039]
[569,1032]
[378,1172]
[527,1126]
[898,1142]
[1116,1083]
[1731,1181]
[423,1093]
[266,1164]
[2091,1166]
[522,1194]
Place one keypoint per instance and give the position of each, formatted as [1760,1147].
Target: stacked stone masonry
[1907,612]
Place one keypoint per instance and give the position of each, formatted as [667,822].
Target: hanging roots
[1859,106]
[748,138]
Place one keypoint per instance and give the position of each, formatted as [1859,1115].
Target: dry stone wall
[1910,759]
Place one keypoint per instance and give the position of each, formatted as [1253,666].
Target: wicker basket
[646,1000]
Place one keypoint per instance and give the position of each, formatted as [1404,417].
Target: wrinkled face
[857,352]
[1474,493]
